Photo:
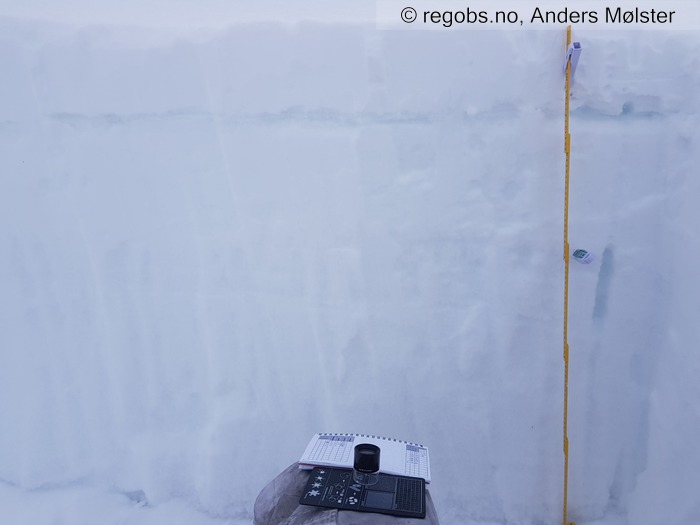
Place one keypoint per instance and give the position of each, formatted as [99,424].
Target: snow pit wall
[215,246]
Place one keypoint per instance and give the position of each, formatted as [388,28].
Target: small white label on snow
[583,256]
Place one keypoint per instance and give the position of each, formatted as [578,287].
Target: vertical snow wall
[215,246]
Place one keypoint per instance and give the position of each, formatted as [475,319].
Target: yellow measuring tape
[567,150]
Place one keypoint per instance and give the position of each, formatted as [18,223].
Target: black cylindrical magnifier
[366,464]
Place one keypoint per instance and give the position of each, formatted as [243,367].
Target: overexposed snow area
[215,244]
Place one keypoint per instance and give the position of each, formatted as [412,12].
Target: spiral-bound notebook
[396,457]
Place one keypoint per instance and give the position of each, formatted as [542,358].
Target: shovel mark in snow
[602,290]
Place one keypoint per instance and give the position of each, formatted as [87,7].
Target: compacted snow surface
[217,243]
